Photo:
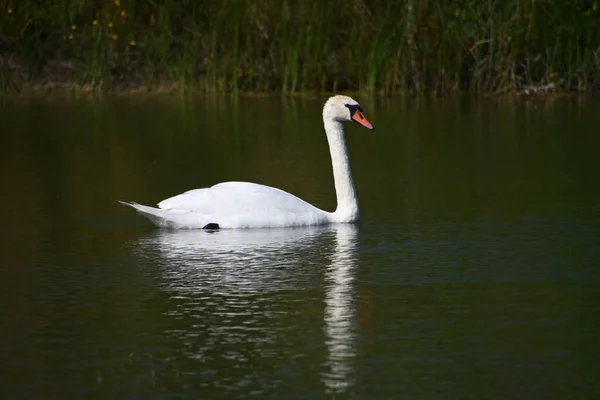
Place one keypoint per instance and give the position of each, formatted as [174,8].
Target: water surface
[473,273]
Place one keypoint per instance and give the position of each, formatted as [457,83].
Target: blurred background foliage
[301,45]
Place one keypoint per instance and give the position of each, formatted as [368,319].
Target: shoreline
[135,86]
[65,77]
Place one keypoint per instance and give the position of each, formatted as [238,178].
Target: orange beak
[360,118]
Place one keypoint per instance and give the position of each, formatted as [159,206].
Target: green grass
[292,46]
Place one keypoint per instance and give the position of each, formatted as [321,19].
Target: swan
[251,205]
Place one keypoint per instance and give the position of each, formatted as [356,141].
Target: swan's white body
[250,205]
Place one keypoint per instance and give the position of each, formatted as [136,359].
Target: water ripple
[240,298]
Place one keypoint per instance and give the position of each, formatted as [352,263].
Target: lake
[474,271]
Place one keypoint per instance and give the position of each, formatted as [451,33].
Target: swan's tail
[156,215]
[167,218]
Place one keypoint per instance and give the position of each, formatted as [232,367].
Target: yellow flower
[123,14]
[10,11]
[73,26]
[70,36]
[115,36]
[95,22]
[132,43]
[30,20]
[110,24]
[117,3]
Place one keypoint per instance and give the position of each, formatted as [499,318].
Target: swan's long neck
[347,203]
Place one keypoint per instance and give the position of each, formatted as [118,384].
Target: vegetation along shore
[292,46]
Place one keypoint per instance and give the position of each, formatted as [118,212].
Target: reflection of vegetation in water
[292,46]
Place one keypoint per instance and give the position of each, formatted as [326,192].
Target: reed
[292,46]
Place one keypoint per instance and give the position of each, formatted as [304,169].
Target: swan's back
[245,205]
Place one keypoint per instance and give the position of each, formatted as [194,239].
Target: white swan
[250,205]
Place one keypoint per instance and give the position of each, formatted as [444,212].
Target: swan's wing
[243,204]
[231,196]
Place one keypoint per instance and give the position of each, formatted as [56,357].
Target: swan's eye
[353,108]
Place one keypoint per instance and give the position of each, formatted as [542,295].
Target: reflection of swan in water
[235,293]
[340,318]
[229,261]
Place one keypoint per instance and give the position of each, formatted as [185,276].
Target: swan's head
[343,109]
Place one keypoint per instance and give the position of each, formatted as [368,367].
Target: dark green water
[473,273]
